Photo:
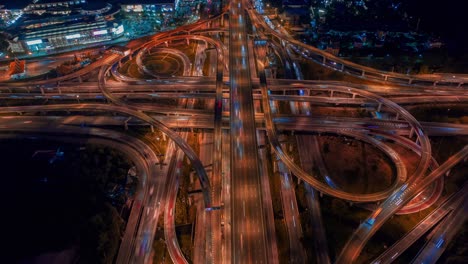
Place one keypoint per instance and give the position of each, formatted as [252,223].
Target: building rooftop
[55,1]
[17,4]
[144,2]
[94,5]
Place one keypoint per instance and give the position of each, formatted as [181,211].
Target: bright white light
[34,42]
[118,30]
[74,36]
[100,32]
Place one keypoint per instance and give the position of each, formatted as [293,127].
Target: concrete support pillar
[80,79]
[379,107]
[411,132]
[324,59]
[59,90]
[164,137]
[152,129]
[354,96]
[42,91]
[447,173]
[363,73]
[410,81]
[126,123]
[386,77]
[331,93]
[397,116]
[342,67]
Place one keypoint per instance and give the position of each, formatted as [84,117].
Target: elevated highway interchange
[240,102]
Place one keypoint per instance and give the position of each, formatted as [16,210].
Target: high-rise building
[48,25]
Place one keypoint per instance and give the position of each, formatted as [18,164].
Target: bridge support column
[342,67]
[80,79]
[386,77]
[447,173]
[379,107]
[152,129]
[164,137]
[331,93]
[410,81]
[411,132]
[126,123]
[130,57]
[59,90]
[324,59]
[459,85]
[363,73]
[354,96]
[42,91]
[120,63]
[397,116]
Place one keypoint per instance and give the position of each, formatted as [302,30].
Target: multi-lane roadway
[239,219]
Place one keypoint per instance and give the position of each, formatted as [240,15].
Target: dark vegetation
[63,206]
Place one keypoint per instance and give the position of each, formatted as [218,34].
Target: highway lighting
[234,82]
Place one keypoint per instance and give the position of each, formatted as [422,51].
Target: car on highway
[440,242]
[371,219]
